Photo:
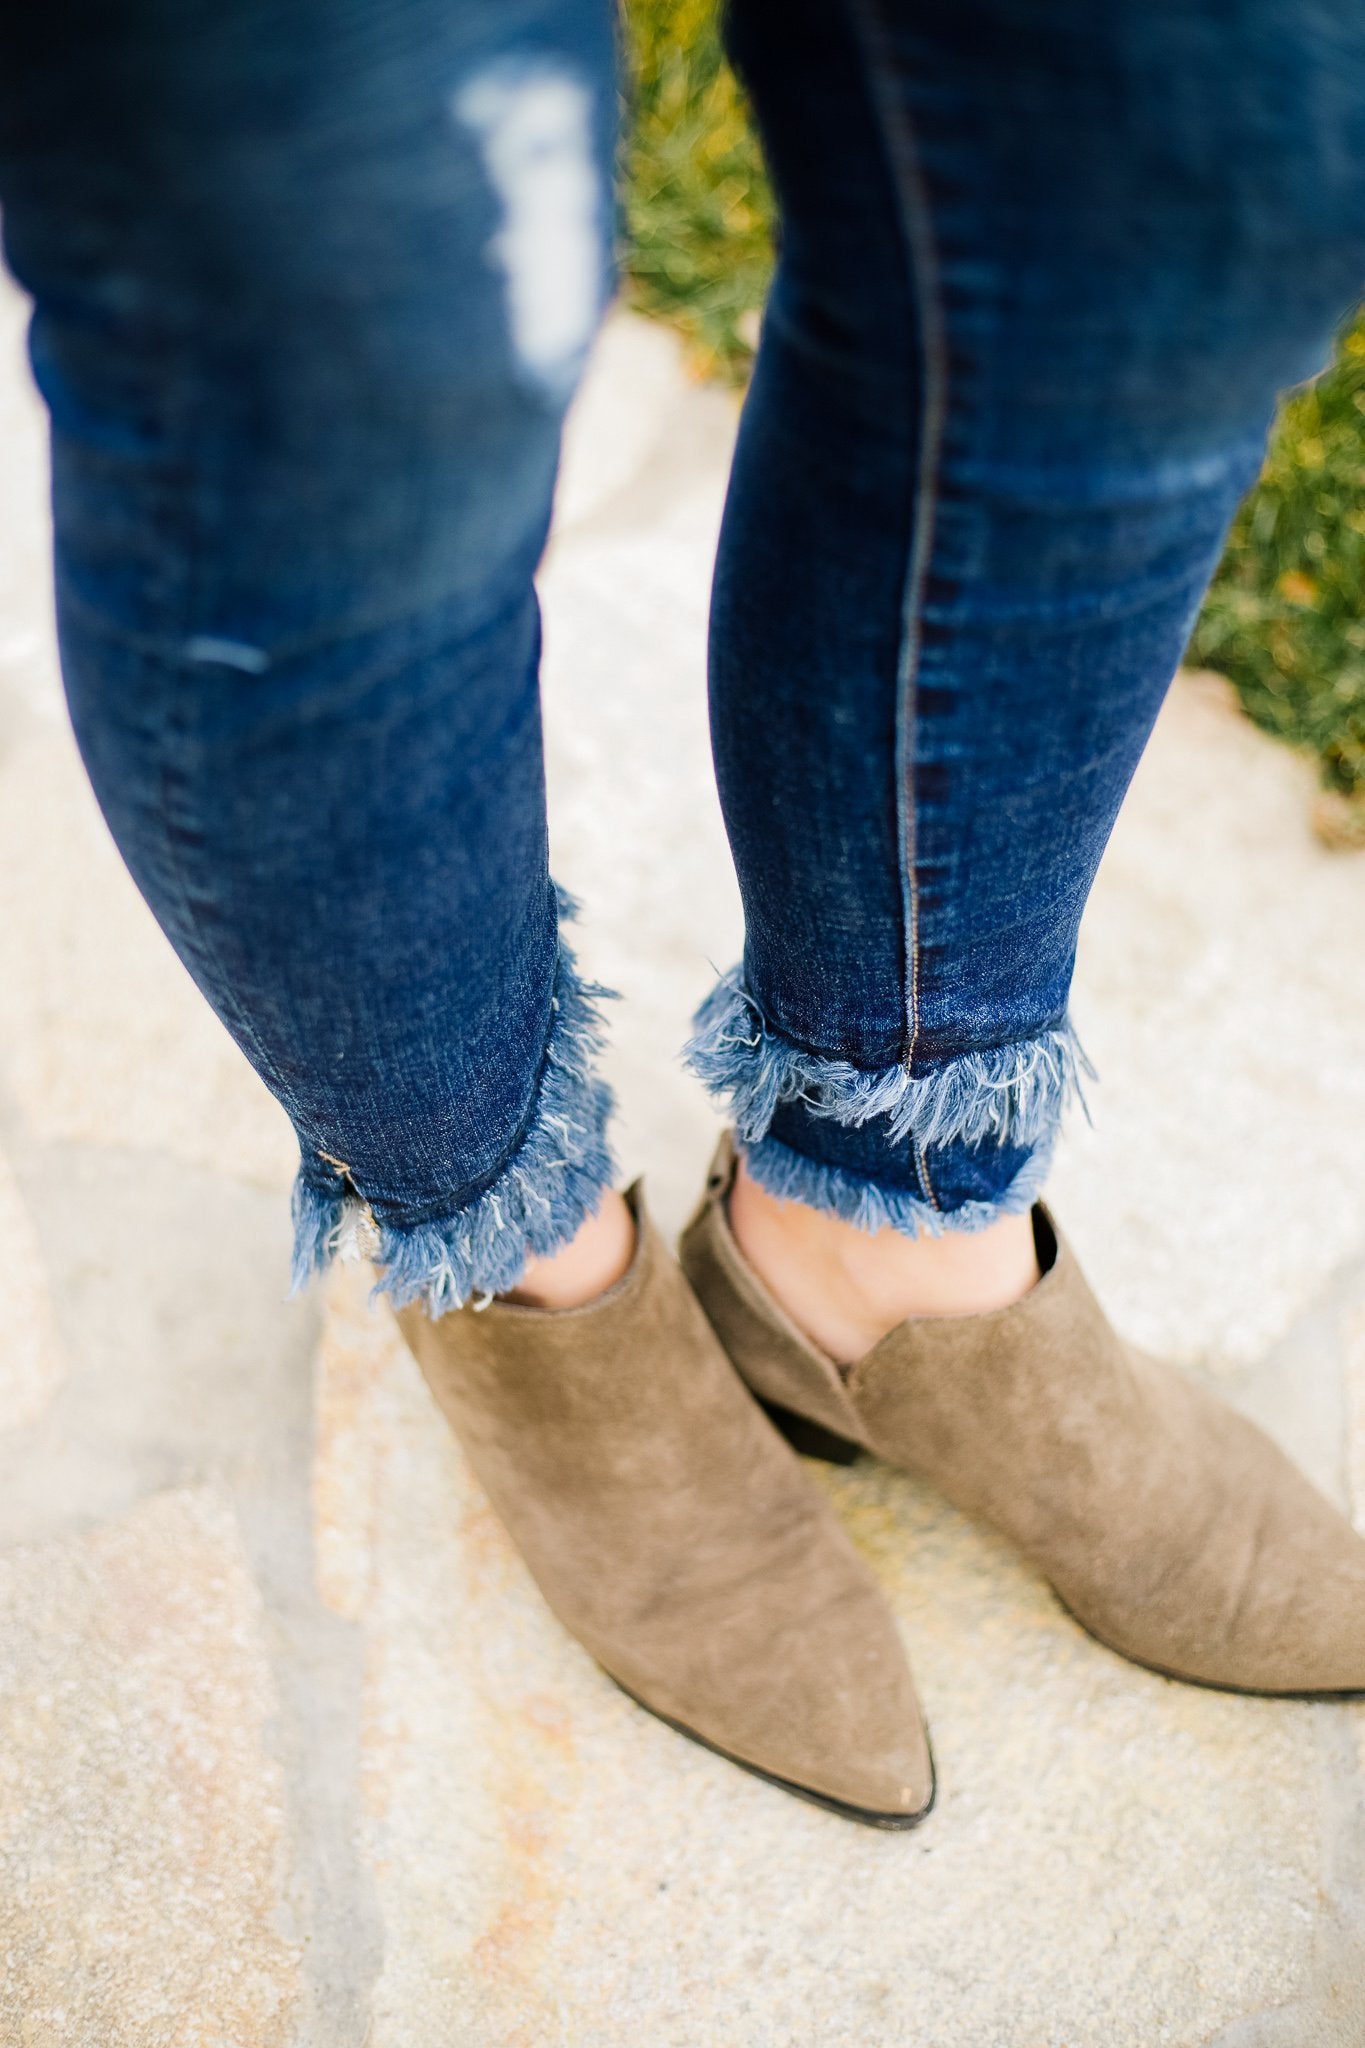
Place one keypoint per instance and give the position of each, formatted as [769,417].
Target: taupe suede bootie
[675,1535]
[1174,1530]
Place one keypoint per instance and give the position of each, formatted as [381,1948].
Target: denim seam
[922,257]
[867,1205]
[922,1169]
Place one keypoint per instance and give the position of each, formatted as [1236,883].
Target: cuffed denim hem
[1007,1099]
[553,1181]
[793,1177]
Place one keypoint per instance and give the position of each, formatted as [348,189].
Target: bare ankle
[594,1259]
[845,1288]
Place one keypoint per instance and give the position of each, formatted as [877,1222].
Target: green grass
[1285,618]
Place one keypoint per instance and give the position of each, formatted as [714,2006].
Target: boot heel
[811,1439]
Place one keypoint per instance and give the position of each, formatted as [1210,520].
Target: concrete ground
[292,1756]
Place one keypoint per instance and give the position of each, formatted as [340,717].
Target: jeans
[313,282]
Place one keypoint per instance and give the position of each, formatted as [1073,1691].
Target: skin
[591,1262]
[844,1288]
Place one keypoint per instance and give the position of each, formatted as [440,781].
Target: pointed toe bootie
[1173,1529]
[674,1534]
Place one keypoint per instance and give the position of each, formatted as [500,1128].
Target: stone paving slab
[140,1815]
[30,1359]
[290,1751]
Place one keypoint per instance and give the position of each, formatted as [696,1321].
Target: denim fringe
[553,1181]
[792,1177]
[1006,1094]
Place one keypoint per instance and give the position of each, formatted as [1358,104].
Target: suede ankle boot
[1173,1529]
[675,1535]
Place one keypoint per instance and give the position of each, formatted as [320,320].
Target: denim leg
[313,282]
[1043,269]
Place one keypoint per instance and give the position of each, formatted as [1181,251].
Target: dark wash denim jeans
[313,283]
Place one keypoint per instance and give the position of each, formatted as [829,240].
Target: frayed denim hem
[1006,1094]
[551,1184]
[792,1177]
